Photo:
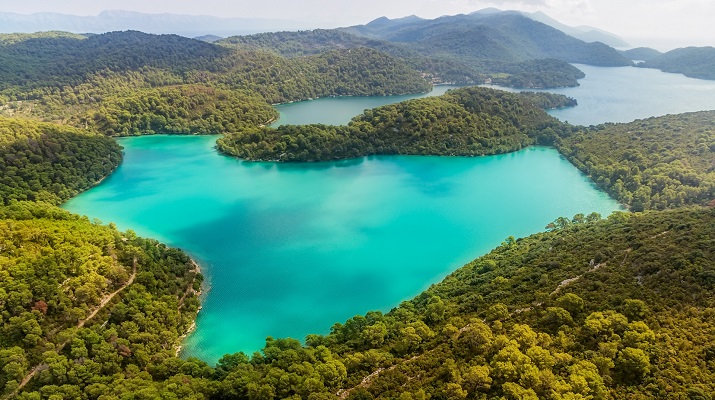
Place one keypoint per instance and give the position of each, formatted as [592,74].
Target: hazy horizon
[662,24]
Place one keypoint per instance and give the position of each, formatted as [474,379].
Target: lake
[339,110]
[606,94]
[624,94]
[290,249]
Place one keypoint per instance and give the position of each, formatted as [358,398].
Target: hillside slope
[498,36]
[655,163]
[48,162]
[468,122]
[695,62]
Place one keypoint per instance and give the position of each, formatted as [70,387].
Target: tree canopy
[469,121]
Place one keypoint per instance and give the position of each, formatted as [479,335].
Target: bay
[290,249]
[339,110]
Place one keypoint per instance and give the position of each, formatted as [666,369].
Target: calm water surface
[624,94]
[290,249]
[607,94]
[339,110]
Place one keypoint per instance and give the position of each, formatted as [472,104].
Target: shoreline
[179,343]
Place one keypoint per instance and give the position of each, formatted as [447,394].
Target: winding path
[80,324]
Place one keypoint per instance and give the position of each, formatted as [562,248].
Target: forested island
[592,308]
[657,163]
[467,122]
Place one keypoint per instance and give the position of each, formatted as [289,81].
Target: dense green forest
[611,309]
[548,101]
[539,73]
[695,62]
[85,308]
[185,109]
[621,308]
[60,60]
[59,77]
[469,121]
[48,162]
[654,163]
[453,68]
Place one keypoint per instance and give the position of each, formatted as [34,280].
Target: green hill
[695,62]
[528,70]
[68,60]
[183,109]
[47,162]
[611,309]
[470,121]
[496,36]
[59,78]
[641,53]
[86,307]
[655,163]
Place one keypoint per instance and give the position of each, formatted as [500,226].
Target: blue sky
[667,22]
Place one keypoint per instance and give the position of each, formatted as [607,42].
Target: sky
[663,24]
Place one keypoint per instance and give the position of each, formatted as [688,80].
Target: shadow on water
[303,166]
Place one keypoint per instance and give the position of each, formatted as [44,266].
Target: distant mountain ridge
[641,53]
[499,36]
[695,62]
[586,33]
[117,20]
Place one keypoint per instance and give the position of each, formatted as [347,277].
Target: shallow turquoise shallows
[290,249]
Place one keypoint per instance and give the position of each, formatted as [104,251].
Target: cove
[290,249]
[339,110]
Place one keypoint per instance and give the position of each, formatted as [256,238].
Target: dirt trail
[80,324]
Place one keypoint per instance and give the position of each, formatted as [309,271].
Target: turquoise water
[339,110]
[290,249]
[623,94]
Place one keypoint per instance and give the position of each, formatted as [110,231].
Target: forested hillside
[641,53]
[619,308]
[183,109]
[455,68]
[495,36]
[655,163]
[85,309]
[61,60]
[48,162]
[470,121]
[61,78]
[695,62]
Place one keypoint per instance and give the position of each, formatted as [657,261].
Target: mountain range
[501,36]
[584,32]
[117,20]
[198,25]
